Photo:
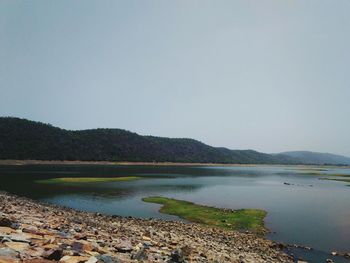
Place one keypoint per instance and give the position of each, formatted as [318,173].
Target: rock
[77,229]
[329,260]
[146,238]
[177,256]
[92,260]
[6,252]
[16,237]
[123,245]
[108,259]
[8,260]
[81,246]
[4,221]
[6,230]
[140,255]
[17,246]
[38,260]
[53,254]
[74,259]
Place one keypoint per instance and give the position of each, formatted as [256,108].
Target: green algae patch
[74,180]
[243,219]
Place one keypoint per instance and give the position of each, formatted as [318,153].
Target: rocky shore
[34,232]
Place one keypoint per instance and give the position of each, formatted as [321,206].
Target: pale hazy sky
[265,75]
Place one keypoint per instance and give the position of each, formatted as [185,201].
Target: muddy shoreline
[37,232]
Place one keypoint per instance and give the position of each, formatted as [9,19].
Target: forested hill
[22,139]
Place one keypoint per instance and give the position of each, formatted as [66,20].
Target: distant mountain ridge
[307,157]
[22,139]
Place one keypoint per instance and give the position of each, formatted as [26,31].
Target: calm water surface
[306,210]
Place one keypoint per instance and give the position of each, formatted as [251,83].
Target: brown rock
[6,230]
[38,260]
[92,260]
[146,238]
[17,246]
[74,259]
[8,260]
[81,246]
[123,245]
[49,246]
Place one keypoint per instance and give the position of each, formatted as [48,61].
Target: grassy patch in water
[338,175]
[337,179]
[330,176]
[69,180]
[320,173]
[243,219]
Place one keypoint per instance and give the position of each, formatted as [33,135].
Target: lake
[302,209]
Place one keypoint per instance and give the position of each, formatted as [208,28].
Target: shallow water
[301,208]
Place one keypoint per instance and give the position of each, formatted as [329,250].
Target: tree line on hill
[21,139]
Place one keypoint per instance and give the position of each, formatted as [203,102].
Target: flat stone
[74,259]
[17,246]
[38,260]
[18,237]
[92,260]
[6,252]
[6,230]
[35,252]
[49,246]
[8,260]
[108,259]
[93,253]
[30,236]
[81,245]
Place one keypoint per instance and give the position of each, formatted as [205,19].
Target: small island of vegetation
[242,219]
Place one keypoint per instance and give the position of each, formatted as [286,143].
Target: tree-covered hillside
[23,139]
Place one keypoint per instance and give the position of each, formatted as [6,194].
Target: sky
[268,75]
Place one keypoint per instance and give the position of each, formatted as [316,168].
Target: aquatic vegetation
[337,179]
[68,180]
[318,171]
[309,169]
[242,219]
[339,175]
